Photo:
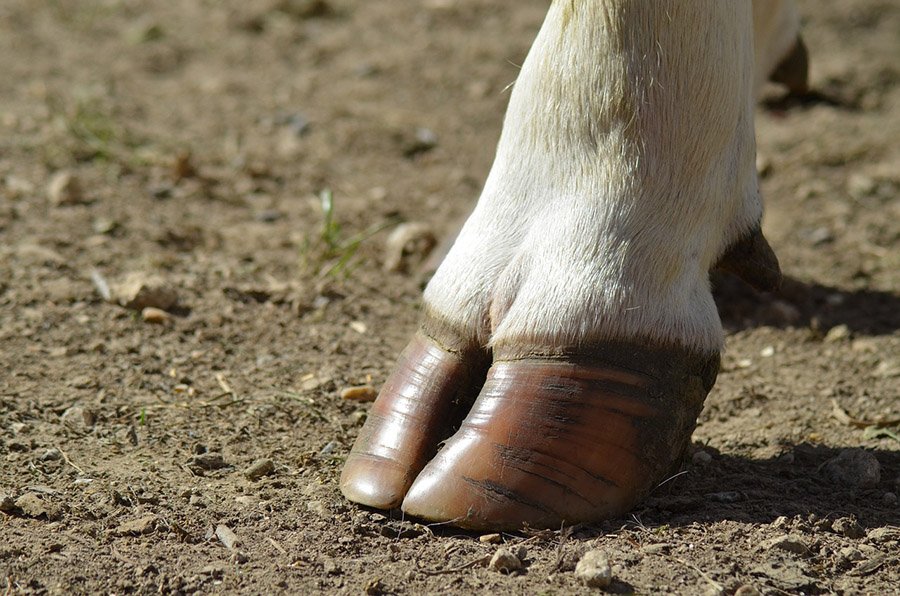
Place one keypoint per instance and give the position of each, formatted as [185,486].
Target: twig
[472,563]
[280,548]
[69,461]
[841,414]
[703,574]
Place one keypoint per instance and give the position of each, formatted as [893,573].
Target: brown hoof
[559,441]
[793,70]
[418,406]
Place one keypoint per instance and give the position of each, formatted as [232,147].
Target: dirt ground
[185,147]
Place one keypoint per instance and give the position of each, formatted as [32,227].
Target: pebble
[259,468]
[594,570]
[208,461]
[889,499]
[51,454]
[747,590]
[701,458]
[848,527]
[837,333]
[138,291]
[788,542]
[408,243]
[78,417]
[853,468]
[360,393]
[7,504]
[64,189]
[883,534]
[424,140]
[860,185]
[489,538]
[137,527]
[505,562]
[155,316]
[228,537]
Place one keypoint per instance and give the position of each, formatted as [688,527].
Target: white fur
[625,167]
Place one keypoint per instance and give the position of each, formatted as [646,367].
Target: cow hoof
[428,391]
[557,440]
[793,70]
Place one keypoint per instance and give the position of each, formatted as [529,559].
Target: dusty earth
[186,147]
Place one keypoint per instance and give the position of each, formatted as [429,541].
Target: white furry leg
[624,171]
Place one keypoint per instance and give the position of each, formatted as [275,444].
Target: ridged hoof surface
[414,411]
[559,441]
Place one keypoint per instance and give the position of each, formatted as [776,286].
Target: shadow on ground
[799,304]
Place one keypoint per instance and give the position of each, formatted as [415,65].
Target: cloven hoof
[552,438]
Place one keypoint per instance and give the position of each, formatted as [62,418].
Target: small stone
[837,333]
[51,454]
[7,504]
[64,189]
[259,468]
[848,553]
[860,185]
[489,538]
[767,352]
[78,418]
[137,527]
[505,562]
[787,542]
[848,527]
[137,291]
[853,468]
[747,590]
[208,461]
[883,534]
[654,549]
[155,316]
[424,140]
[34,505]
[594,569]
[361,393]
[228,537]
[408,245]
[785,312]
[889,499]
[701,458]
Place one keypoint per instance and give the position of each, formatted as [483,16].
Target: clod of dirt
[228,537]
[505,562]
[594,569]
[7,504]
[64,189]
[183,166]
[137,527]
[155,316]
[205,462]
[883,534]
[787,542]
[400,529]
[853,468]
[408,245]
[361,393]
[138,291]
[747,590]
[424,140]
[259,468]
[837,333]
[34,505]
[78,418]
[374,587]
[889,499]
[52,454]
[701,458]
[848,527]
